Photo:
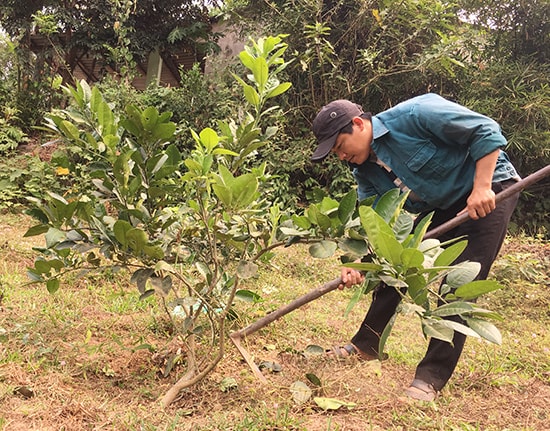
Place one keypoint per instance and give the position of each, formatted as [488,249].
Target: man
[451,160]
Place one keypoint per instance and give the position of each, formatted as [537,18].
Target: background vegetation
[491,56]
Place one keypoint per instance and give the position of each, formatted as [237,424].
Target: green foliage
[188,228]
[10,135]
[380,240]
[122,32]
[26,175]
[516,30]
[488,55]
[517,95]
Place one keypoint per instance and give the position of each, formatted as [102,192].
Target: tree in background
[510,81]
[488,55]
[51,36]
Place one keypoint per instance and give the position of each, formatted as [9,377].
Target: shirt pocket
[426,159]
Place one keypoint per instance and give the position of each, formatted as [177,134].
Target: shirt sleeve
[454,124]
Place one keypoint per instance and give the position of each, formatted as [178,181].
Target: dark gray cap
[328,123]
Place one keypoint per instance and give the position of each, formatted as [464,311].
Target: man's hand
[482,199]
[350,277]
[480,203]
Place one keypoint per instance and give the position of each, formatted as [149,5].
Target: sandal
[347,351]
[422,391]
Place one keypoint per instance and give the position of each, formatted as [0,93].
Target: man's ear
[358,121]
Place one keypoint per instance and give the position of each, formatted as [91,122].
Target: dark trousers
[485,237]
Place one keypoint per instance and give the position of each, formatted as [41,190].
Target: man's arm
[482,199]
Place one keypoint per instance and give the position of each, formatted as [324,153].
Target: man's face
[355,147]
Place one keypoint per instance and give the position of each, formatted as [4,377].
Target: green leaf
[449,255]
[52,285]
[261,72]
[314,379]
[36,230]
[153,251]
[378,233]
[323,249]
[420,231]
[224,194]
[417,288]
[393,281]
[54,236]
[146,294]
[120,228]
[164,132]
[332,403]
[33,275]
[280,89]
[364,266]
[357,247]
[389,204]
[70,130]
[209,138]
[458,327]
[463,273]
[301,222]
[140,277]
[389,248]
[247,60]
[485,329]
[136,239]
[247,296]
[386,332]
[412,258]
[347,206]
[436,329]
[42,266]
[477,288]
[402,227]
[453,309]
[317,217]
[244,190]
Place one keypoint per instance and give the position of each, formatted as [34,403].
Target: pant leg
[385,300]
[485,237]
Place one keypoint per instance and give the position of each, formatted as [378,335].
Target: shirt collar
[378,128]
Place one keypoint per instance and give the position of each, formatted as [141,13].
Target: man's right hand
[350,277]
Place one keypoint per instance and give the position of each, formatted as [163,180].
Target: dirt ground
[69,362]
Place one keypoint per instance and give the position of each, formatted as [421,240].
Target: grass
[90,356]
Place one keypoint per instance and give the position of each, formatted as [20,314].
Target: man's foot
[420,390]
[349,350]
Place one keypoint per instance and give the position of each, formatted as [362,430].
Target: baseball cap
[328,123]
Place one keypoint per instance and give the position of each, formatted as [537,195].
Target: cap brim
[323,149]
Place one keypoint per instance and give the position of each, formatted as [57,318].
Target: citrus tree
[382,240]
[187,229]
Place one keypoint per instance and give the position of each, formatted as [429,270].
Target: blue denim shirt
[432,145]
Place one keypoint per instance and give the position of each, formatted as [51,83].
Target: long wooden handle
[285,309]
[333,284]
[505,194]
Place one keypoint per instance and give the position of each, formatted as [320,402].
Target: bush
[27,175]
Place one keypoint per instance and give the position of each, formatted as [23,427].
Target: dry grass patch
[91,356]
